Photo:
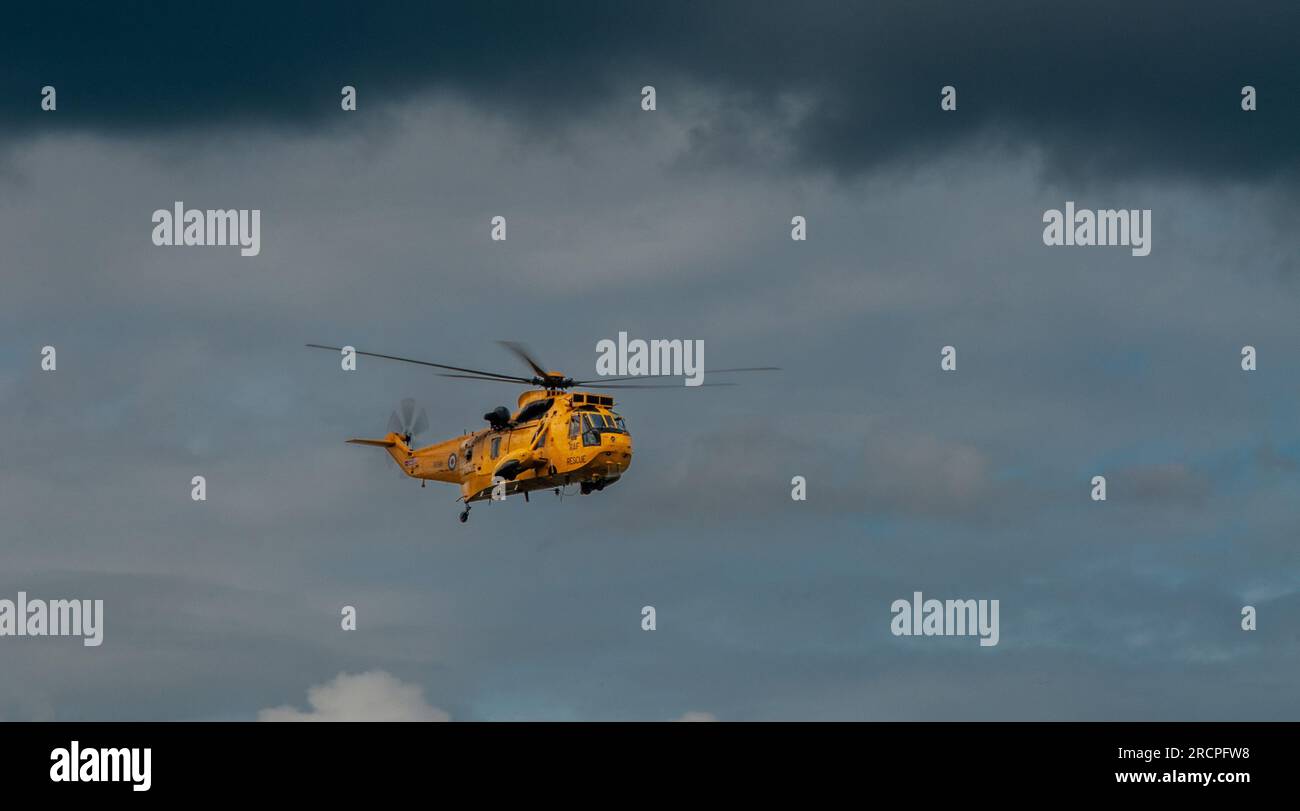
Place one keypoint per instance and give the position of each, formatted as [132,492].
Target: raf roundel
[451,462]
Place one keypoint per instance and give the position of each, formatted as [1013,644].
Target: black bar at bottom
[644,761]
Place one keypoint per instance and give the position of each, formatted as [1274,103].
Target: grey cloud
[1270,459]
[925,475]
[1160,484]
[181,362]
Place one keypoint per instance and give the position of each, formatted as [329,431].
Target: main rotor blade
[655,377]
[427,363]
[658,386]
[493,379]
[743,369]
[522,351]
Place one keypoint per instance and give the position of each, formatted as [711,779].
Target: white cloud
[697,716]
[370,696]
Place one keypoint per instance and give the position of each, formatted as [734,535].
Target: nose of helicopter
[616,451]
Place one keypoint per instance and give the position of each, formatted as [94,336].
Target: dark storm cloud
[1110,89]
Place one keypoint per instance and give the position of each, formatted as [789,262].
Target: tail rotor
[408,420]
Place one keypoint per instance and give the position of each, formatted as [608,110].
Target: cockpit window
[594,423]
[592,427]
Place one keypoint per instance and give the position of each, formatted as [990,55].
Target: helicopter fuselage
[575,438]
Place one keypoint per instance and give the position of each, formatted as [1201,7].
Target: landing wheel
[464,516]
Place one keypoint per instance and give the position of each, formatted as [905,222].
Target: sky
[924,230]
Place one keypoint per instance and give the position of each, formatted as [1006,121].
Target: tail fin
[394,444]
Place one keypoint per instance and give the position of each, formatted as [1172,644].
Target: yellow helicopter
[556,438]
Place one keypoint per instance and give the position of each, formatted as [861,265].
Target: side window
[541,438]
[496,446]
[574,426]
